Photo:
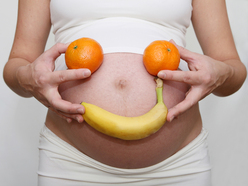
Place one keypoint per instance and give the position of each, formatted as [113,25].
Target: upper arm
[212,28]
[32,30]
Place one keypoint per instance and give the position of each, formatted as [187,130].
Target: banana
[128,128]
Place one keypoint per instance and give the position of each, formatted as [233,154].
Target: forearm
[11,69]
[237,73]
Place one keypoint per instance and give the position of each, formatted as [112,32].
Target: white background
[225,118]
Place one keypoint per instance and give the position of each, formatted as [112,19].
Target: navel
[121,83]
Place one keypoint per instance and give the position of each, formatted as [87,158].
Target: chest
[158,11]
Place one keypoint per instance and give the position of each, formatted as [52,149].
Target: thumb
[185,54]
[55,51]
[69,75]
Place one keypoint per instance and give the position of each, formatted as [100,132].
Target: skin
[29,72]
[220,70]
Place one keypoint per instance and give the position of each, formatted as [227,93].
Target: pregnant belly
[123,86]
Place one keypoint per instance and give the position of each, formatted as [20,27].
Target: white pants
[63,165]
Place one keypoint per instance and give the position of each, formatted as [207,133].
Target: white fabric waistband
[64,161]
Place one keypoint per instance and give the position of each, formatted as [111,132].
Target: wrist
[235,74]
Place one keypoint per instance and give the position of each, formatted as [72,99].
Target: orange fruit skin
[161,55]
[84,53]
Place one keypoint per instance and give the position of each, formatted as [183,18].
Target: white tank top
[120,25]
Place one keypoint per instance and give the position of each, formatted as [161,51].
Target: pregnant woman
[74,153]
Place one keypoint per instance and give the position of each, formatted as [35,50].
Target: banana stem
[159,90]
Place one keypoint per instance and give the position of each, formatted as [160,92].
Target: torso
[123,86]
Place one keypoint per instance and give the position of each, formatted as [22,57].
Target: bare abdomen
[123,86]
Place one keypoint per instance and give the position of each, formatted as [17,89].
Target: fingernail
[86,73]
[78,120]
[172,41]
[81,111]
[161,75]
[68,120]
[172,118]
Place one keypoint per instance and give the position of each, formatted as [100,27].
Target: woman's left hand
[205,75]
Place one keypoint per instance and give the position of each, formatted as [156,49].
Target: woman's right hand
[40,80]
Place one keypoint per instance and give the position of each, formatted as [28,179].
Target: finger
[189,77]
[68,117]
[69,75]
[55,51]
[193,96]
[55,101]
[62,115]
[173,42]
[185,54]
[67,107]
[69,110]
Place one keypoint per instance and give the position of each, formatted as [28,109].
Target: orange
[161,55]
[84,53]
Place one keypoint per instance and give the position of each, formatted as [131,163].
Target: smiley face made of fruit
[159,55]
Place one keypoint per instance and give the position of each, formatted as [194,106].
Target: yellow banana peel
[128,128]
